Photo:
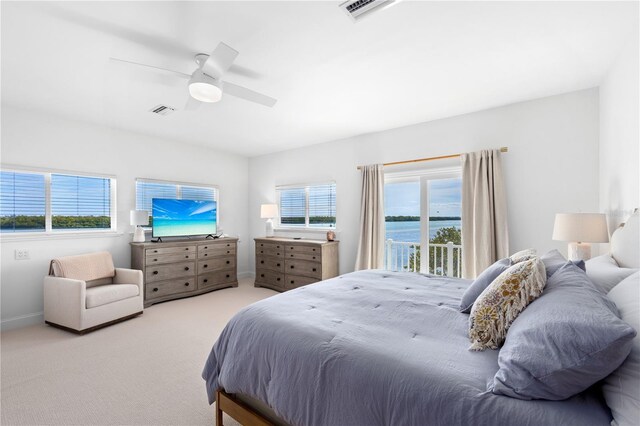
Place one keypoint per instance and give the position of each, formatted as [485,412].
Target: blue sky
[403,198]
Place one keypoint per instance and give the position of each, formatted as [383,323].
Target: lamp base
[269,228]
[138,236]
[579,251]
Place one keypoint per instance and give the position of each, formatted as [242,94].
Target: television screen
[180,218]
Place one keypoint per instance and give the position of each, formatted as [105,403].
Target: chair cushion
[103,294]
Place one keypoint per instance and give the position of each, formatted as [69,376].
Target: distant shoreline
[417,218]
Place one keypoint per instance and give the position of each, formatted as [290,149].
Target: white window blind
[147,190]
[22,202]
[43,202]
[308,206]
[80,202]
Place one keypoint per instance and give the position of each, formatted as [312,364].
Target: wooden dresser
[178,269]
[284,263]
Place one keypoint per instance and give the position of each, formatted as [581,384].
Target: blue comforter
[374,348]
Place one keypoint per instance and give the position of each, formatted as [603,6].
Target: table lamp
[269,211]
[137,218]
[580,230]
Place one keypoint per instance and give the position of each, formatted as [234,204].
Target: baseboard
[21,321]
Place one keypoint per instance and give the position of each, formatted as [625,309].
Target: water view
[410,231]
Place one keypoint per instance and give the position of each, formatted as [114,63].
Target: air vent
[358,9]
[162,110]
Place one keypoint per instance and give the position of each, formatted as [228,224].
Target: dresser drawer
[298,248]
[169,250]
[270,250]
[313,257]
[270,245]
[169,258]
[271,263]
[207,265]
[164,272]
[217,278]
[295,281]
[214,252]
[270,277]
[166,288]
[303,267]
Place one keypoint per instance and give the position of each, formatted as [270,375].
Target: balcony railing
[443,259]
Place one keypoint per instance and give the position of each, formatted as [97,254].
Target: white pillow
[605,272]
[621,388]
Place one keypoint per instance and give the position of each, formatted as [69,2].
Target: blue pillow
[562,343]
[553,260]
[484,279]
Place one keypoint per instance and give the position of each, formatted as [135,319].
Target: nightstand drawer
[169,258]
[217,278]
[170,250]
[295,281]
[265,276]
[175,270]
[271,263]
[165,288]
[208,265]
[214,252]
[303,267]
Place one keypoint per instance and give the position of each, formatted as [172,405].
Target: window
[307,206]
[147,190]
[42,202]
[422,209]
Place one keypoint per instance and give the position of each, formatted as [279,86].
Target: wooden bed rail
[237,409]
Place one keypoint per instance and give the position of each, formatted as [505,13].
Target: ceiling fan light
[204,88]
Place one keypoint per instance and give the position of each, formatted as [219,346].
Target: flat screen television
[181,218]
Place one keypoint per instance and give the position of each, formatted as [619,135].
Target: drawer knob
[187,256]
[314,269]
[277,246]
[155,260]
[228,251]
[155,272]
[277,279]
[186,284]
[155,289]
[278,264]
[293,282]
[206,254]
[292,266]
[261,275]
[206,247]
[262,261]
[205,266]
[186,268]
[205,280]
[155,251]
[228,262]
[291,255]
[314,249]
[228,276]
[228,245]
[187,249]
[314,258]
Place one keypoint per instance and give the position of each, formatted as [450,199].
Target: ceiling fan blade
[178,73]
[220,60]
[248,94]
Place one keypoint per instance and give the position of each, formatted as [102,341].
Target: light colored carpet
[145,371]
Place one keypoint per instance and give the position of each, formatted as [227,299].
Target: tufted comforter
[374,348]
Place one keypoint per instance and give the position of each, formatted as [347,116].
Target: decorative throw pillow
[605,272]
[553,260]
[484,279]
[564,342]
[621,388]
[522,255]
[500,303]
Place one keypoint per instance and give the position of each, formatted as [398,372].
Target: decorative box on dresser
[176,269]
[284,263]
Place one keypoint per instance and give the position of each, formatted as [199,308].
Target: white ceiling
[413,62]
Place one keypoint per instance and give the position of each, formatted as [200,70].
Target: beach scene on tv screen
[173,218]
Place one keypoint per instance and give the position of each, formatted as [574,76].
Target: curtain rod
[419,160]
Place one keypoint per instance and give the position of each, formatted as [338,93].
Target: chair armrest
[64,294]
[128,276]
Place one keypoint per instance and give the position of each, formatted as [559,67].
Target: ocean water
[410,231]
[167,228]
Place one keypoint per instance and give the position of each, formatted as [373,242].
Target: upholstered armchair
[86,292]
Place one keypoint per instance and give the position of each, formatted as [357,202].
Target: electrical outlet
[22,254]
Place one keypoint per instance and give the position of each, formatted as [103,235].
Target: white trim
[304,185]
[58,235]
[41,170]
[175,182]
[304,229]
[22,321]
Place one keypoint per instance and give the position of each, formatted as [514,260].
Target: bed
[370,348]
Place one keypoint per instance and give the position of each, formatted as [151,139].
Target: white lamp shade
[139,217]
[581,227]
[268,211]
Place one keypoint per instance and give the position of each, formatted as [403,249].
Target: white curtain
[485,235]
[371,244]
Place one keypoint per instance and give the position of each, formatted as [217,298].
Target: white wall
[38,140]
[619,136]
[551,166]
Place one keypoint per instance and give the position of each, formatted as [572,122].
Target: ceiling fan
[206,84]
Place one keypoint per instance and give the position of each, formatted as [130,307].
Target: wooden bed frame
[239,410]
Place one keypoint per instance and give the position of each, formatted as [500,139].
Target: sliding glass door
[423,223]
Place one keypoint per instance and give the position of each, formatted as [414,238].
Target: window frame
[179,185]
[48,230]
[306,227]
